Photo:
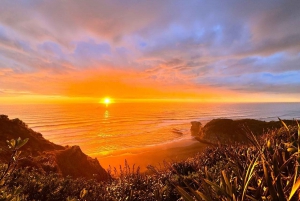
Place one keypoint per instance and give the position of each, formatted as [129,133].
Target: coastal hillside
[45,156]
[228,130]
[267,168]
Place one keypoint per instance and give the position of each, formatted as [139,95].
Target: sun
[107,100]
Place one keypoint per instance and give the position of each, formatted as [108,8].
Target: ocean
[101,130]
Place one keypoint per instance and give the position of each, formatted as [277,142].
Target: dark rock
[72,161]
[46,156]
[196,128]
[177,131]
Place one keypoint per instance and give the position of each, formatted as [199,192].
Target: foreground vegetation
[266,168]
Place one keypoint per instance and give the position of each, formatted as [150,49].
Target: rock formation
[46,156]
[196,128]
[228,130]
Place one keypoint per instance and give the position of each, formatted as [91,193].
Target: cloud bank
[151,49]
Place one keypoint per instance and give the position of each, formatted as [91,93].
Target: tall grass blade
[198,197]
[204,197]
[294,188]
[278,177]
[269,182]
[251,198]
[233,197]
[217,188]
[249,175]
[184,194]
[229,187]
[297,168]
[284,124]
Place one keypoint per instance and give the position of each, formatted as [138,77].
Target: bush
[266,169]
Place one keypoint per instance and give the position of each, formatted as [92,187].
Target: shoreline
[155,155]
[152,155]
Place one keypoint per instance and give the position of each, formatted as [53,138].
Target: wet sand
[152,155]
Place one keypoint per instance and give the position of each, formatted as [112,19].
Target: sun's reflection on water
[106,115]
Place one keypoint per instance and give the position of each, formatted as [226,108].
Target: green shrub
[6,171]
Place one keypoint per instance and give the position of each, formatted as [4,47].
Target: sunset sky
[82,51]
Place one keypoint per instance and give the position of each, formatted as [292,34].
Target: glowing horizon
[68,100]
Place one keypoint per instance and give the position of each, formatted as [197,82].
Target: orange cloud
[149,50]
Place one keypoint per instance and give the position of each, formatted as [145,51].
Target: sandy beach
[152,155]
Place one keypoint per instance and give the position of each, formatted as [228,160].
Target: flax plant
[266,169]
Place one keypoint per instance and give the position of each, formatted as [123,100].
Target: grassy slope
[228,130]
[263,170]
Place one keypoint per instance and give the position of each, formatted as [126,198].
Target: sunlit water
[101,130]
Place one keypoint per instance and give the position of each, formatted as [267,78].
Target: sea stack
[196,128]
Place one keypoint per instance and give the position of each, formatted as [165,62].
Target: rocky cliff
[46,156]
[228,130]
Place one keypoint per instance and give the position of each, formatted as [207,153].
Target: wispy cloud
[159,49]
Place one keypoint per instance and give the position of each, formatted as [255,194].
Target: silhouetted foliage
[265,169]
